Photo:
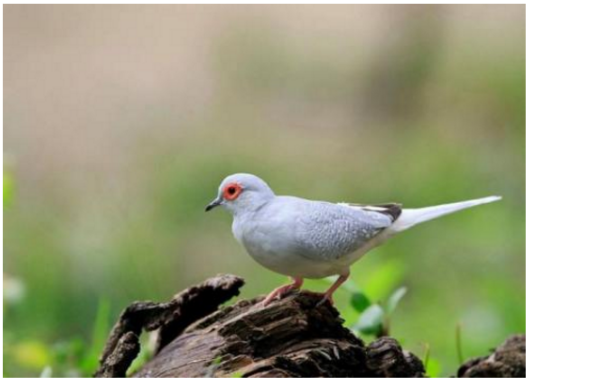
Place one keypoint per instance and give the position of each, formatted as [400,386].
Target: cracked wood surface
[291,337]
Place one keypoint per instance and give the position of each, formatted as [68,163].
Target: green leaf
[383,278]
[358,299]
[360,302]
[99,335]
[458,342]
[371,320]
[434,368]
[394,299]
[143,356]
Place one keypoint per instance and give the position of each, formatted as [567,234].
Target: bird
[309,239]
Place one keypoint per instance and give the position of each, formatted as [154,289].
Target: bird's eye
[232,191]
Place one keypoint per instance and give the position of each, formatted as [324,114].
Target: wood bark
[507,361]
[291,337]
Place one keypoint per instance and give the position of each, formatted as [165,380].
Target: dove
[308,239]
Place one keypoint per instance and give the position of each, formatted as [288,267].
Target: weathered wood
[170,319]
[507,361]
[291,337]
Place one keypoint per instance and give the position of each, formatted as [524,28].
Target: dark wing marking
[391,209]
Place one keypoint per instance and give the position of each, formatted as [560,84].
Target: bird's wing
[328,231]
[392,210]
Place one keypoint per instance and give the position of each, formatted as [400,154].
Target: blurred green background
[121,121]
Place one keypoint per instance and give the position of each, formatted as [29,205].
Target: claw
[326,298]
[279,292]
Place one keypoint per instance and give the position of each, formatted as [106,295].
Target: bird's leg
[281,291]
[328,296]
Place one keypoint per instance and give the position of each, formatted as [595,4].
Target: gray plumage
[313,239]
[287,233]
[327,231]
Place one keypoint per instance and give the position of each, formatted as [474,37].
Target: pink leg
[328,296]
[281,291]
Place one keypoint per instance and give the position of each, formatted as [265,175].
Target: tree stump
[291,337]
[507,361]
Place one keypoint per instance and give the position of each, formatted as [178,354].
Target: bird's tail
[412,217]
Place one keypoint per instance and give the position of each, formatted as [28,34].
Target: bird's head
[242,192]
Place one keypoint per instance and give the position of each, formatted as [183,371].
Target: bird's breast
[273,248]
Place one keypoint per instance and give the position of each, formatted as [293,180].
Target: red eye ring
[232,191]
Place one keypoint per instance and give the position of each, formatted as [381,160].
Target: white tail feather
[412,217]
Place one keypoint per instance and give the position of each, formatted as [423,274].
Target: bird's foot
[328,295]
[326,298]
[278,293]
[281,291]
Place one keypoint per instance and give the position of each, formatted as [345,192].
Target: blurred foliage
[132,135]
[70,357]
[7,188]
[374,318]
[433,368]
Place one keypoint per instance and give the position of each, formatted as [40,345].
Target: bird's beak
[213,204]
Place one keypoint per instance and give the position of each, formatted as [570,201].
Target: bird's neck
[251,206]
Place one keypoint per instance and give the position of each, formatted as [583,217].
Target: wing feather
[328,231]
[392,209]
